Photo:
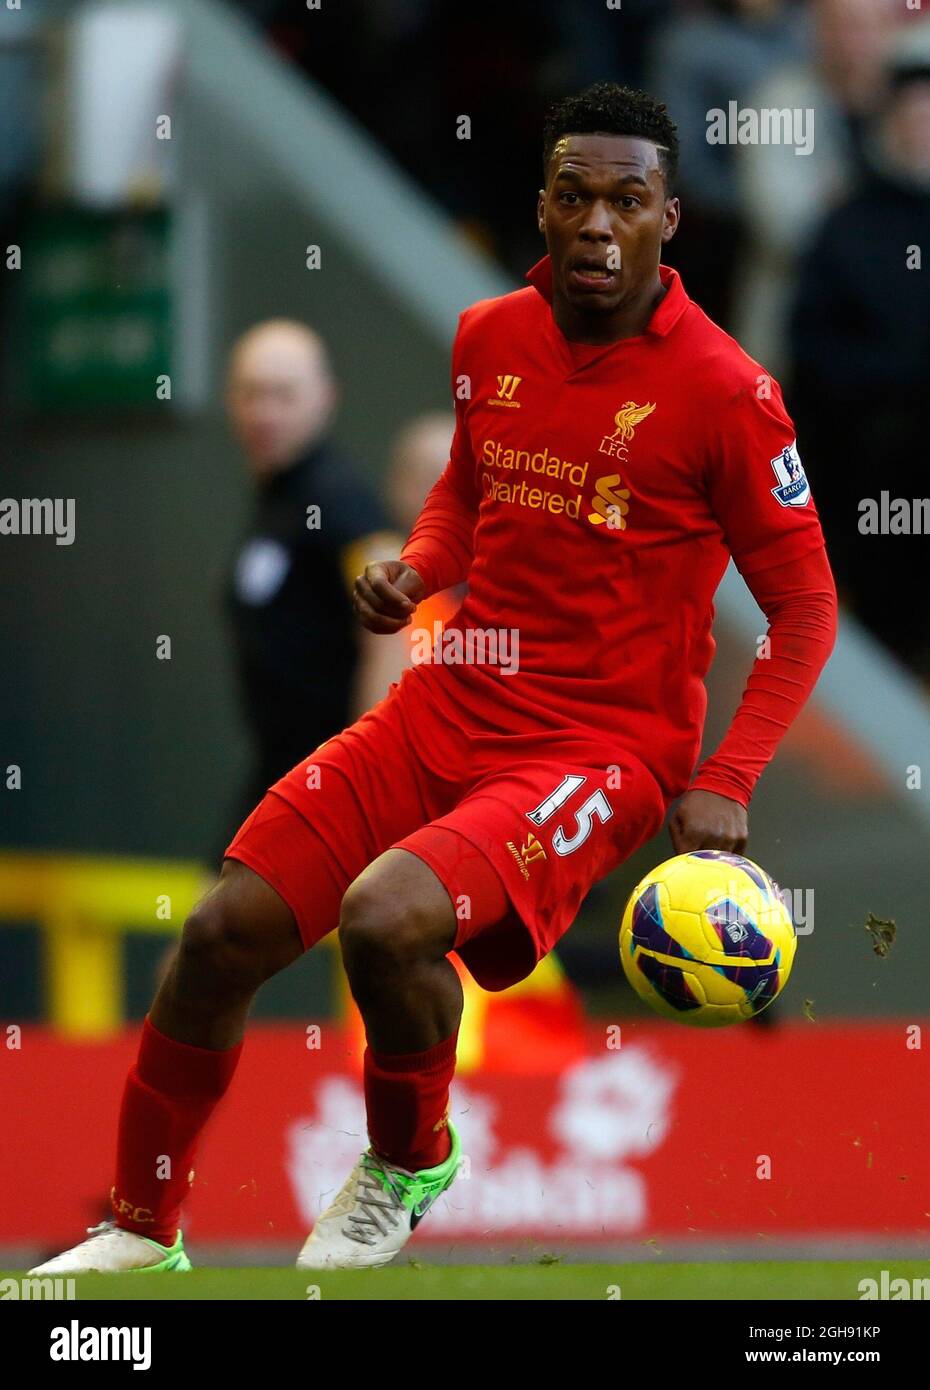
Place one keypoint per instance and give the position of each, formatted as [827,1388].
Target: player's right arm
[387,594]
[439,549]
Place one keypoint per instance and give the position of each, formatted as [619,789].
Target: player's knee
[219,944]
[380,933]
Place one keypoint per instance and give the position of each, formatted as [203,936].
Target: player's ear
[670,219]
[541,211]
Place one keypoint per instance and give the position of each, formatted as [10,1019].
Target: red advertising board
[797,1130]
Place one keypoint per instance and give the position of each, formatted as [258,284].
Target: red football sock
[170,1094]
[407,1097]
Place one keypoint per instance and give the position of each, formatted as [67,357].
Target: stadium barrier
[83,905]
[816,1132]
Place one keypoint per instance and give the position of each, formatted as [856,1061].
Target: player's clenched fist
[386,595]
[704,820]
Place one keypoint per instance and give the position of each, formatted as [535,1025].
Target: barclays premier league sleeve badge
[793,488]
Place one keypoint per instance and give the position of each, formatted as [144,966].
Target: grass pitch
[801,1279]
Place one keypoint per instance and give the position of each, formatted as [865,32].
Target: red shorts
[549,812]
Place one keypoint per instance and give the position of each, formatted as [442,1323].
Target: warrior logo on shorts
[529,851]
[793,488]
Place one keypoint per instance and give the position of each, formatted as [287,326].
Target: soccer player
[613,449]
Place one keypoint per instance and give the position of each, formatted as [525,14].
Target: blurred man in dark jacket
[861,356]
[299,652]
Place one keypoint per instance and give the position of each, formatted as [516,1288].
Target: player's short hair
[605,108]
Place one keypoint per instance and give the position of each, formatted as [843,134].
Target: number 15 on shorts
[595,807]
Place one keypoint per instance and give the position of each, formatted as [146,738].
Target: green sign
[95,322]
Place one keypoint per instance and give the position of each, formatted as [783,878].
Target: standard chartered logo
[530,491]
[609,506]
[611,503]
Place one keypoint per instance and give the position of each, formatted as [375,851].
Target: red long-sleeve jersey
[592,500]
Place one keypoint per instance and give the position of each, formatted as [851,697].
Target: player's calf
[396,929]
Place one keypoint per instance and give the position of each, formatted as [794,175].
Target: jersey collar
[665,316]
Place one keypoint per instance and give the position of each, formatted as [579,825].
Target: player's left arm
[774,535]
[799,601]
